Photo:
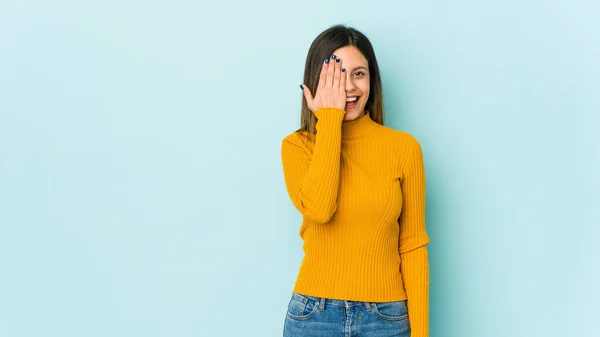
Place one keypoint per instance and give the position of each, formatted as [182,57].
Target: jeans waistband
[323,301]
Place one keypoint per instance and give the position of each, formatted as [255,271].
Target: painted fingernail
[301,87]
[337,60]
[327,61]
[343,70]
[333,57]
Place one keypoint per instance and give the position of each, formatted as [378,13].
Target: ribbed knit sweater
[360,187]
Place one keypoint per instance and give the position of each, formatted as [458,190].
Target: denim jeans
[309,316]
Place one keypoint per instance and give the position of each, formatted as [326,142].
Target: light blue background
[141,188]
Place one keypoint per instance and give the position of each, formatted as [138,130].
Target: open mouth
[352,102]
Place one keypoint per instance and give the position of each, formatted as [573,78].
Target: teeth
[351,99]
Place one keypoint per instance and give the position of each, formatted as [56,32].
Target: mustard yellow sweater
[360,187]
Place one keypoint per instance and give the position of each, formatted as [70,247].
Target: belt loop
[368,306]
[322,304]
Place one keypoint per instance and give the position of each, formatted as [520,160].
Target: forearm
[415,274]
[313,183]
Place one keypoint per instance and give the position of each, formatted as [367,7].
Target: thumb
[307,94]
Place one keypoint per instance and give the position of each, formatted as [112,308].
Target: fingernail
[327,61]
[301,87]
[333,57]
[343,70]
[337,60]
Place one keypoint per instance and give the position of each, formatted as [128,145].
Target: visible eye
[359,72]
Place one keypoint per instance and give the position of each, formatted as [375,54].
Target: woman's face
[357,80]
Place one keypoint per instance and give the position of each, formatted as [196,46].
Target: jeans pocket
[301,307]
[391,311]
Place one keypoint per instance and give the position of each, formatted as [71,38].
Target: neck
[358,127]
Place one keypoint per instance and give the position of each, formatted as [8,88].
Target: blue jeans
[309,316]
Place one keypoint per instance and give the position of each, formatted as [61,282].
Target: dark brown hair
[323,46]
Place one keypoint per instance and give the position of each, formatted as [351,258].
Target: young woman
[360,187]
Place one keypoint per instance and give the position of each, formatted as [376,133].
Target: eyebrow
[359,67]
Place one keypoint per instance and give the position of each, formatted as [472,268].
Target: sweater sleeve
[415,272]
[312,181]
[413,240]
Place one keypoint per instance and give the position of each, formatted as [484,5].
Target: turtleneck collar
[358,127]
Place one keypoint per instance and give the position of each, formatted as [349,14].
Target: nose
[349,84]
